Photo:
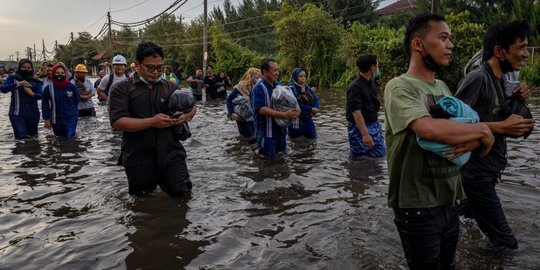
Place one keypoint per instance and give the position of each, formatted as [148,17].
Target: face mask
[377,74]
[26,73]
[429,62]
[60,78]
[147,82]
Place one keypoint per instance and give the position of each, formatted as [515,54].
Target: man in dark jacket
[152,154]
[504,50]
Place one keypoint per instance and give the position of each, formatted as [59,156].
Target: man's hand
[523,91]
[235,117]
[368,140]
[186,117]
[314,111]
[161,121]
[515,125]
[292,114]
[461,149]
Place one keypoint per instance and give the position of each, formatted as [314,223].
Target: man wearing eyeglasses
[151,153]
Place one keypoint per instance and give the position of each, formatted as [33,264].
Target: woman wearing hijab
[60,100]
[25,92]
[309,106]
[243,88]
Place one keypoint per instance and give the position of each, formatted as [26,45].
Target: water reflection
[159,221]
[64,204]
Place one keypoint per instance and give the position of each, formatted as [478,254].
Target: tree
[347,11]
[231,57]
[247,24]
[308,37]
[169,32]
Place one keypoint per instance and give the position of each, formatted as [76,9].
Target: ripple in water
[64,203]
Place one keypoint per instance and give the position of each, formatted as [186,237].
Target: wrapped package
[181,100]
[242,107]
[283,99]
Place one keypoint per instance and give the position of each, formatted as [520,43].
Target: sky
[28,22]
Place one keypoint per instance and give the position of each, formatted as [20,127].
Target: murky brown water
[64,204]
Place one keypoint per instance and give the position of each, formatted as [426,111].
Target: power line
[120,10]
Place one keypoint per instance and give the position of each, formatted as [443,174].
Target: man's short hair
[209,66]
[265,64]
[148,49]
[419,27]
[504,35]
[365,61]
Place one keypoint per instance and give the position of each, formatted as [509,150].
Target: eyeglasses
[152,68]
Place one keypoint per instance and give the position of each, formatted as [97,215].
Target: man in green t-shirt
[424,187]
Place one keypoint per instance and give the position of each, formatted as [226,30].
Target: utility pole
[109,25]
[17,53]
[205,37]
[35,55]
[43,52]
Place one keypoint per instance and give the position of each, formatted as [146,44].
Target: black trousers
[429,236]
[172,178]
[484,203]
[87,112]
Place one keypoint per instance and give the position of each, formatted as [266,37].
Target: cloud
[9,22]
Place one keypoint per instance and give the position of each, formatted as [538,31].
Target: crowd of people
[425,187]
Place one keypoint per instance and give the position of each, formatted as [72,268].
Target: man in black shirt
[210,82]
[152,154]
[365,131]
[504,50]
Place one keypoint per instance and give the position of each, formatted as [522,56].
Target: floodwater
[64,203]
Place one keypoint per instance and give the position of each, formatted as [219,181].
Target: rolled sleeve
[118,103]
[403,105]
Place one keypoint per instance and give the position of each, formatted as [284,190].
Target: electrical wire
[120,10]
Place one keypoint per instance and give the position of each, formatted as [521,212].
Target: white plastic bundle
[242,107]
[283,99]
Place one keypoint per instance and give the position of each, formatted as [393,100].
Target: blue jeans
[486,208]
[429,236]
[24,126]
[358,149]
[246,129]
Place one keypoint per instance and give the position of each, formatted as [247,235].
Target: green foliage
[386,43]
[347,11]
[467,39]
[168,31]
[530,73]
[307,38]
[81,48]
[247,24]
[230,56]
